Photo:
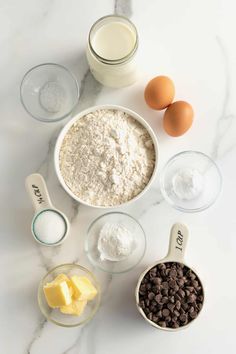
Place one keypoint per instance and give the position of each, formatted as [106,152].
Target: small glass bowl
[54,315]
[49,92]
[91,243]
[210,177]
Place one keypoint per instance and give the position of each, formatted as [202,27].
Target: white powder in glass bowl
[107,158]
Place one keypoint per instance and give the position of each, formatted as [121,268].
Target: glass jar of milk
[111,51]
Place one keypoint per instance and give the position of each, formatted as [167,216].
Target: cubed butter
[63,277]
[57,294]
[75,308]
[83,288]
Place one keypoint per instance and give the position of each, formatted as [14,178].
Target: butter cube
[75,308]
[63,277]
[57,294]
[83,288]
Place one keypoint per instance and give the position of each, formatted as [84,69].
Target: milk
[113,41]
[111,51]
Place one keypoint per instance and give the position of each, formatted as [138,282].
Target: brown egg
[159,92]
[178,118]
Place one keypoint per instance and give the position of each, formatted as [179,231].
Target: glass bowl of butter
[69,295]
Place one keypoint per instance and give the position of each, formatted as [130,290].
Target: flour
[115,242]
[107,158]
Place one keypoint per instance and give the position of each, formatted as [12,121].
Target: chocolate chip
[176,288]
[143,287]
[190,288]
[184,306]
[180,282]
[151,308]
[191,298]
[172,283]
[174,319]
[178,305]
[162,266]
[176,313]
[158,298]
[165,312]
[146,311]
[181,293]
[191,309]
[173,273]
[195,284]
[156,281]
[175,325]
[162,324]
[193,314]
[178,297]
[153,272]
[165,299]
[200,298]
[142,304]
[151,296]
[165,285]
[164,292]
[168,319]
[171,306]
[163,272]
[183,317]
[156,289]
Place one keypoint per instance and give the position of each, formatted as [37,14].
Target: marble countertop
[194,43]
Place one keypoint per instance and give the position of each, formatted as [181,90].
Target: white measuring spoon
[37,189]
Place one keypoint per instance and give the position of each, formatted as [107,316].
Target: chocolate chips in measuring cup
[171,295]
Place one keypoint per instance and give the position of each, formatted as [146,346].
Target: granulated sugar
[107,158]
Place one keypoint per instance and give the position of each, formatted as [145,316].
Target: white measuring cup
[37,189]
[177,246]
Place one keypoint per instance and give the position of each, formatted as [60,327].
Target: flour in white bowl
[107,158]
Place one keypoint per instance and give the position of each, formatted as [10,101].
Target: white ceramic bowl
[82,114]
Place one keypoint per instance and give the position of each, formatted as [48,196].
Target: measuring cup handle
[178,241]
[37,189]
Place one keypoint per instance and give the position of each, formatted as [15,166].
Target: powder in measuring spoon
[49,227]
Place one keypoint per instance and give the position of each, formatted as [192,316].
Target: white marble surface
[194,43]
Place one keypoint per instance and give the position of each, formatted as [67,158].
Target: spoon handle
[37,189]
[178,241]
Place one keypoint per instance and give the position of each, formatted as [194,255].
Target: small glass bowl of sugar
[49,92]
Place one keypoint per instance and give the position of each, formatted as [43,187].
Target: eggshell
[178,118]
[159,92]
